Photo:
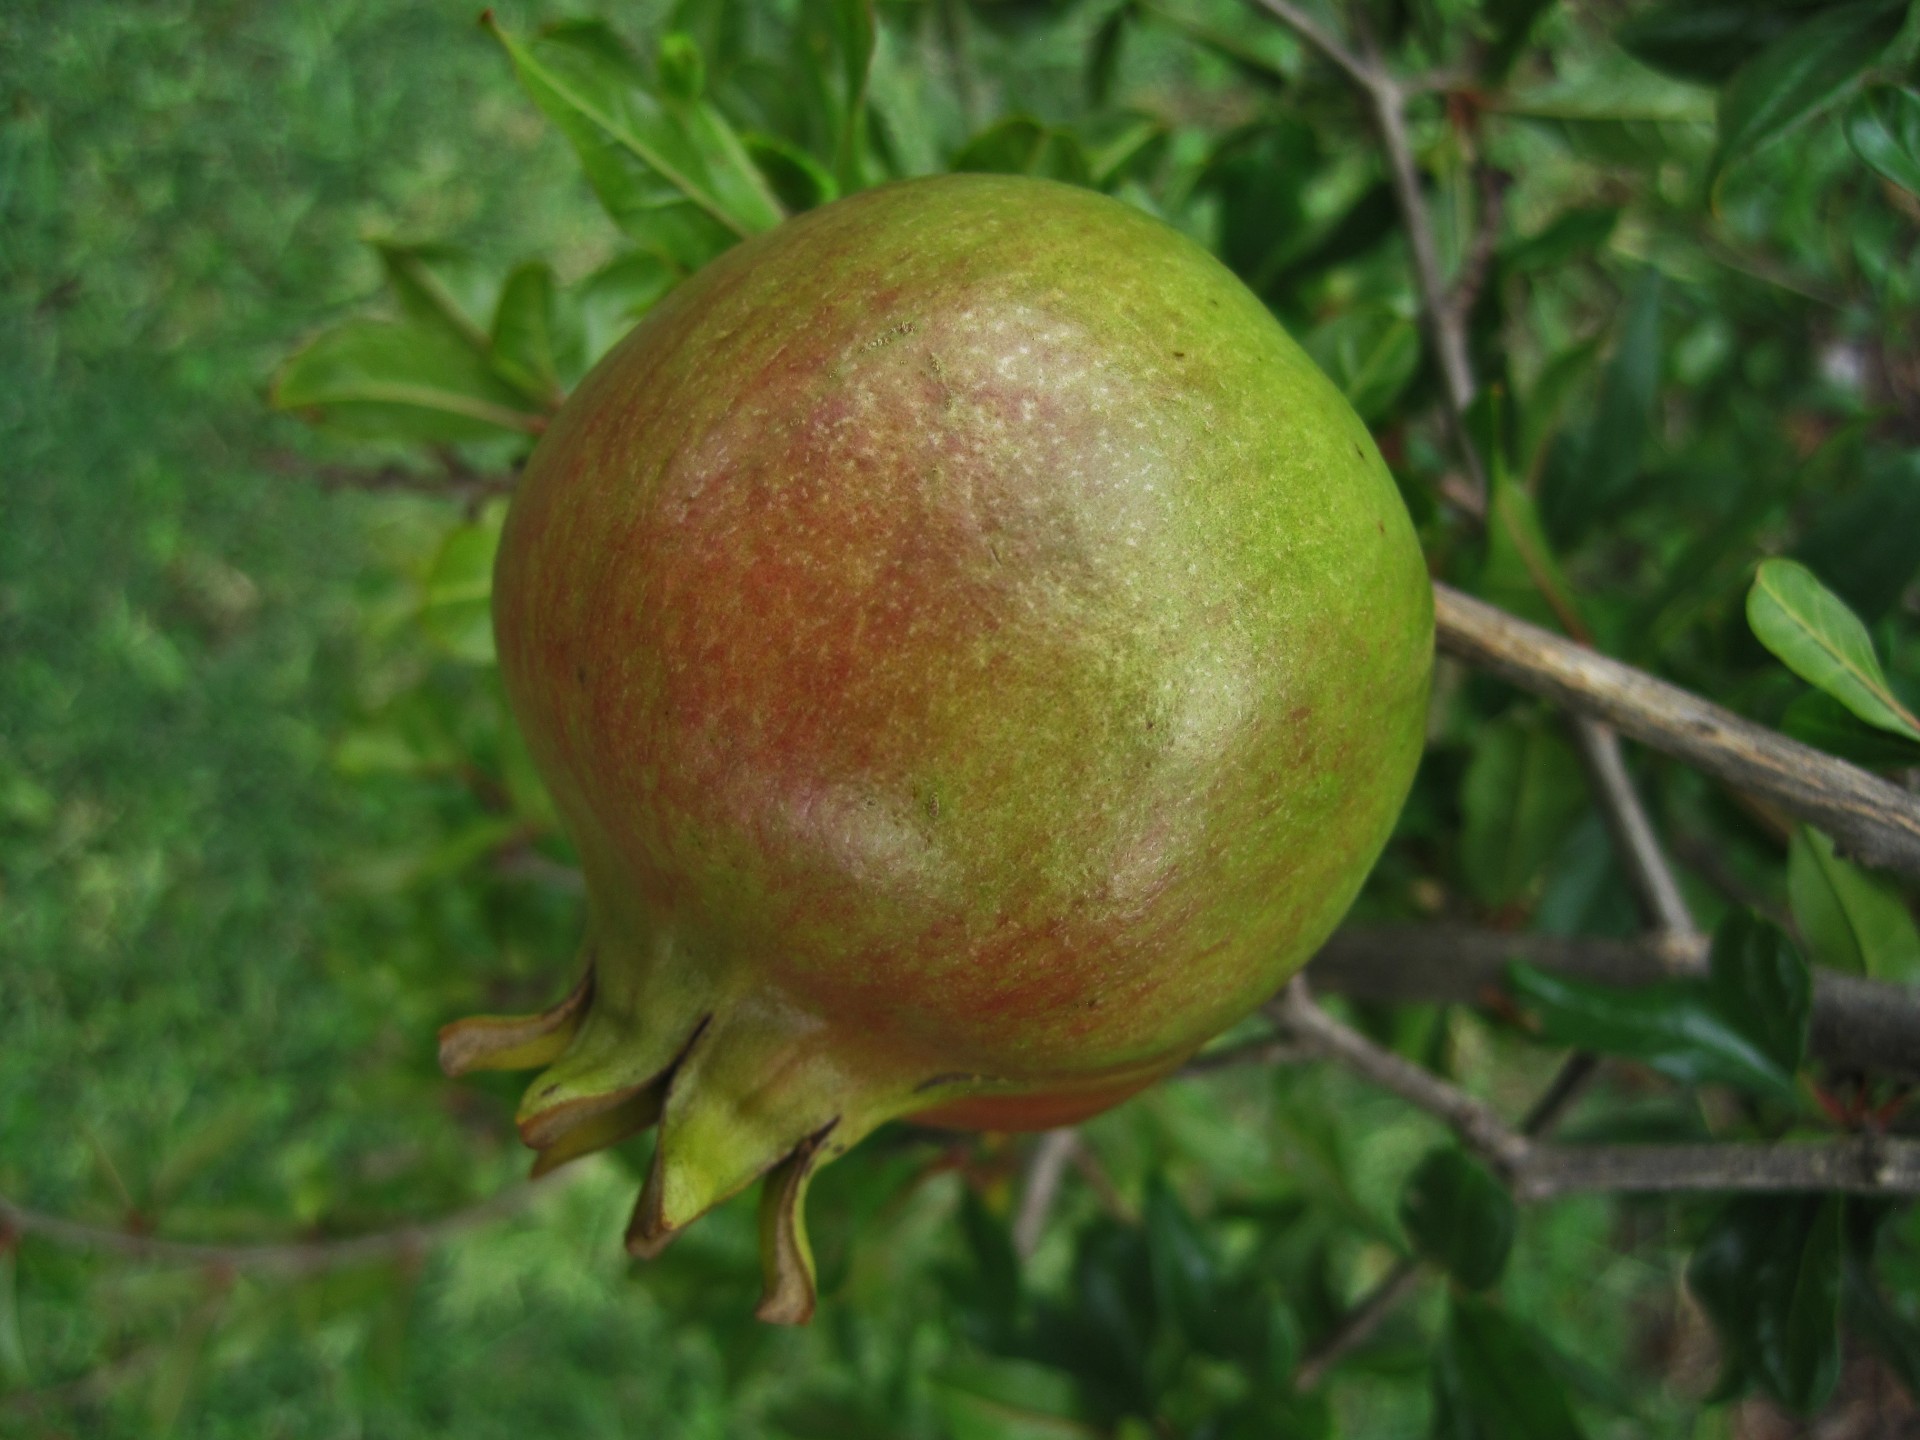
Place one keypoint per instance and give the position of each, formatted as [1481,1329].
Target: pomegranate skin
[977,656]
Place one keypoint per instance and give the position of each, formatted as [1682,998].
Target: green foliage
[264,823]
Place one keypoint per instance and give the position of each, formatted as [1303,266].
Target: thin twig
[1356,1327]
[1633,835]
[302,1257]
[1869,818]
[1323,40]
[1863,1165]
[1040,1187]
[1477,1124]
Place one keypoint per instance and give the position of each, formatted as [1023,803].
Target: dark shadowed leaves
[1768,1274]
[1521,794]
[1492,1380]
[1799,72]
[1744,1024]
[1707,40]
[1459,1217]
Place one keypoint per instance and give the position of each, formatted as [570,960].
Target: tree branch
[1322,39]
[1863,1165]
[1869,818]
[1040,1187]
[1664,907]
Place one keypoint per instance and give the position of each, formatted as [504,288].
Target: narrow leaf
[1883,126]
[1852,920]
[402,382]
[438,285]
[1817,637]
[1800,72]
[677,176]
[1521,794]
[527,347]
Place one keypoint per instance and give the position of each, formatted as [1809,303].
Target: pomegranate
[977,657]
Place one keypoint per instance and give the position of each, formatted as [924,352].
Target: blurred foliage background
[264,825]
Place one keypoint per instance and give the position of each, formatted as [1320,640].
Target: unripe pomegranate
[977,657]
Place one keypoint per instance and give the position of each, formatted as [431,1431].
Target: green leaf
[457,609]
[1707,40]
[401,382]
[1872,1317]
[1019,145]
[1817,637]
[842,35]
[439,286]
[1521,573]
[1103,54]
[1798,73]
[1761,985]
[1864,539]
[620,293]
[1819,720]
[1595,476]
[1522,792]
[14,1370]
[528,347]
[1459,1217]
[1675,1026]
[1768,1275]
[1185,1272]
[1852,920]
[1492,1380]
[1883,126]
[1008,1400]
[1371,353]
[683,71]
[669,171]
[801,182]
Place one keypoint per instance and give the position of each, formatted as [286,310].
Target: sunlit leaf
[402,382]
[457,606]
[1852,920]
[529,346]
[670,172]
[1817,637]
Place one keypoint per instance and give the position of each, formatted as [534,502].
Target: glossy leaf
[1817,637]
[1491,1380]
[1459,1217]
[402,382]
[1852,920]
[1768,1273]
[1675,1026]
[1883,126]
[669,171]
[1522,792]
[1799,72]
